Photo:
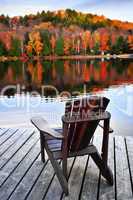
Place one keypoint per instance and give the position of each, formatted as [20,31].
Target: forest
[64,32]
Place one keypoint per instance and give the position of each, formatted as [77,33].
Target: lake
[40,87]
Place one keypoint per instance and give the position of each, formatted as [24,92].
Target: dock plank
[24,187]
[75,180]
[3,131]
[8,134]
[90,187]
[14,149]
[42,184]
[106,191]
[17,176]
[11,141]
[23,176]
[55,187]
[17,159]
[129,151]
[122,172]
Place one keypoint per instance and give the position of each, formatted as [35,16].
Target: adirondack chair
[80,121]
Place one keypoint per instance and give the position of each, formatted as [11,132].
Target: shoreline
[71,57]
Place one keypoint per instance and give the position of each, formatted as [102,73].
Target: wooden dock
[24,177]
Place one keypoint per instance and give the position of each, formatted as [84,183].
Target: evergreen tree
[96,48]
[2,49]
[45,36]
[15,47]
[121,46]
[59,49]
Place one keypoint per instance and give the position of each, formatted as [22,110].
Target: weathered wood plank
[23,188]
[90,187]
[17,159]
[122,172]
[3,131]
[129,151]
[17,176]
[11,141]
[14,149]
[7,135]
[55,187]
[75,181]
[42,184]
[106,191]
[24,177]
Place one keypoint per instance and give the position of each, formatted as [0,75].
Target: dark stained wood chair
[82,116]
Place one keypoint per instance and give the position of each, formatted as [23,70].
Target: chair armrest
[43,126]
[110,129]
[89,117]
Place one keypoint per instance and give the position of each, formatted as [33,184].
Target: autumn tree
[38,45]
[35,44]
[29,48]
[67,45]
[130,42]
[85,40]
[53,43]
[91,44]
[104,39]
[96,46]
[78,44]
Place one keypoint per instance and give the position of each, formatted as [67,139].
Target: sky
[113,9]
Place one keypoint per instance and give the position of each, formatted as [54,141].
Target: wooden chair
[80,121]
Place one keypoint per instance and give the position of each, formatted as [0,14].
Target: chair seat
[54,145]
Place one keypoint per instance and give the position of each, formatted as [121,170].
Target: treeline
[46,43]
[86,42]
[66,18]
[64,33]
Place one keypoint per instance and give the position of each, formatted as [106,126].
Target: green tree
[45,36]
[2,49]
[96,48]
[121,46]
[15,47]
[59,49]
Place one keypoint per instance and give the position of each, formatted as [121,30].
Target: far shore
[71,57]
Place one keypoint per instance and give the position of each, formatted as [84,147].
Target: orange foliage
[6,38]
[34,43]
[39,71]
[86,73]
[67,45]
[85,39]
[130,41]
[104,38]
[103,66]
[10,74]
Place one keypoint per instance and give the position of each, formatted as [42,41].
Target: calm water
[35,88]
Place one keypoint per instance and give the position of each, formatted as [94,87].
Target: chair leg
[105,170]
[42,143]
[64,167]
[59,172]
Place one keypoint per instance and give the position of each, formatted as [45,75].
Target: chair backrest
[79,134]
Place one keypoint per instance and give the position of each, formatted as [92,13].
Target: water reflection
[66,75]
[71,76]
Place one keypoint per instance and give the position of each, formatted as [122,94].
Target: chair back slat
[79,134]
